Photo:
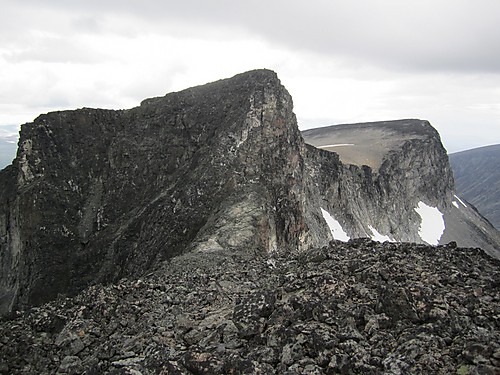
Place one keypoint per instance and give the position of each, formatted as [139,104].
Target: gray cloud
[439,35]
[54,50]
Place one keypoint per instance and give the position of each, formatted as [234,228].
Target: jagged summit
[109,193]
[244,81]
[97,195]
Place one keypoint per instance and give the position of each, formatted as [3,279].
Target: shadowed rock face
[97,195]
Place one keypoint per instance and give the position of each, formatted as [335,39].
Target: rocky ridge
[360,307]
[94,195]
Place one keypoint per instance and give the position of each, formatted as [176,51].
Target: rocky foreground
[353,308]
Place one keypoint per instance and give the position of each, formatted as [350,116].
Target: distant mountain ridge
[477,179]
[7,152]
[96,195]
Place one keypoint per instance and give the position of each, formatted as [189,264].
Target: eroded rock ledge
[360,307]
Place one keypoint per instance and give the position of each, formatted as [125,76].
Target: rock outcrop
[397,185]
[97,195]
[360,307]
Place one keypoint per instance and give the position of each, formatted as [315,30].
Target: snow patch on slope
[376,236]
[337,145]
[463,204]
[338,232]
[432,224]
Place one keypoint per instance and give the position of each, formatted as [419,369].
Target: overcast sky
[343,61]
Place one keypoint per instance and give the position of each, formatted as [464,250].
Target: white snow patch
[337,145]
[455,204]
[376,236]
[432,225]
[460,201]
[335,227]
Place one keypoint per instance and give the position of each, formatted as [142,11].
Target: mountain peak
[242,82]
[97,195]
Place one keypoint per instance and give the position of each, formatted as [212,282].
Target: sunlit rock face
[97,195]
[395,183]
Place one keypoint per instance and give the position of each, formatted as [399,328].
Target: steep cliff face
[387,169]
[395,183]
[97,195]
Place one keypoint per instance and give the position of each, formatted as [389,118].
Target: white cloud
[9,133]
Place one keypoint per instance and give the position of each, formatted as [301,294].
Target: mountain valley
[477,179]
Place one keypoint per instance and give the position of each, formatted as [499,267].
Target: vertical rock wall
[97,195]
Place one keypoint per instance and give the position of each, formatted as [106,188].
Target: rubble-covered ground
[351,308]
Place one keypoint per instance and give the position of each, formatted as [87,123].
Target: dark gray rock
[358,308]
[111,193]
[70,365]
